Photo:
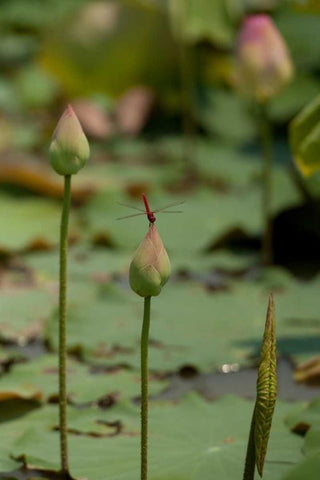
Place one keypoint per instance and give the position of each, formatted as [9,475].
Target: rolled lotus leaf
[266,389]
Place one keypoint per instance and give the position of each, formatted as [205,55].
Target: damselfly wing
[148,212]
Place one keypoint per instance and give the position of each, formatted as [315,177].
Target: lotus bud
[150,267]
[264,65]
[69,149]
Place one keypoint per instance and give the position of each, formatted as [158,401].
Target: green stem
[144,388]
[250,464]
[62,325]
[177,11]
[267,147]
[185,58]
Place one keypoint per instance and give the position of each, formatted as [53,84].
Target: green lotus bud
[150,267]
[69,149]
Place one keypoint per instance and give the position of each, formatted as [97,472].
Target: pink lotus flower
[264,65]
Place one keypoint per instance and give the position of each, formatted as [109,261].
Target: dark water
[242,382]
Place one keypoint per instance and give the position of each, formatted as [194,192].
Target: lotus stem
[62,325]
[144,388]
[267,148]
[250,463]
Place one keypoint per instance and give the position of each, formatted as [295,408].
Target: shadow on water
[243,383]
[289,345]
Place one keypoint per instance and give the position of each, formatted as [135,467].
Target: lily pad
[89,420]
[83,263]
[302,418]
[23,220]
[226,115]
[19,416]
[312,441]
[308,469]
[11,413]
[203,441]
[190,326]
[199,215]
[206,219]
[99,264]
[38,380]
[229,167]
[24,312]
[223,259]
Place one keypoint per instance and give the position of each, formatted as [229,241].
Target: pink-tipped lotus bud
[69,149]
[264,64]
[150,267]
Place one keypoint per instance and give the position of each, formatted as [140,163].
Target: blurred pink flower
[133,110]
[264,64]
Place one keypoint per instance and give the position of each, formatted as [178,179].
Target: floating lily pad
[140,174]
[302,418]
[89,420]
[83,264]
[197,440]
[226,115]
[38,380]
[219,259]
[7,464]
[11,413]
[190,326]
[228,166]
[89,323]
[207,217]
[312,441]
[308,469]
[24,312]
[30,223]
[18,416]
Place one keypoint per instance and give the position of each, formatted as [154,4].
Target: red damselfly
[147,211]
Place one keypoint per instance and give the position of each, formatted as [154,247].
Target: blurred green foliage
[305,138]
[90,48]
[122,61]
